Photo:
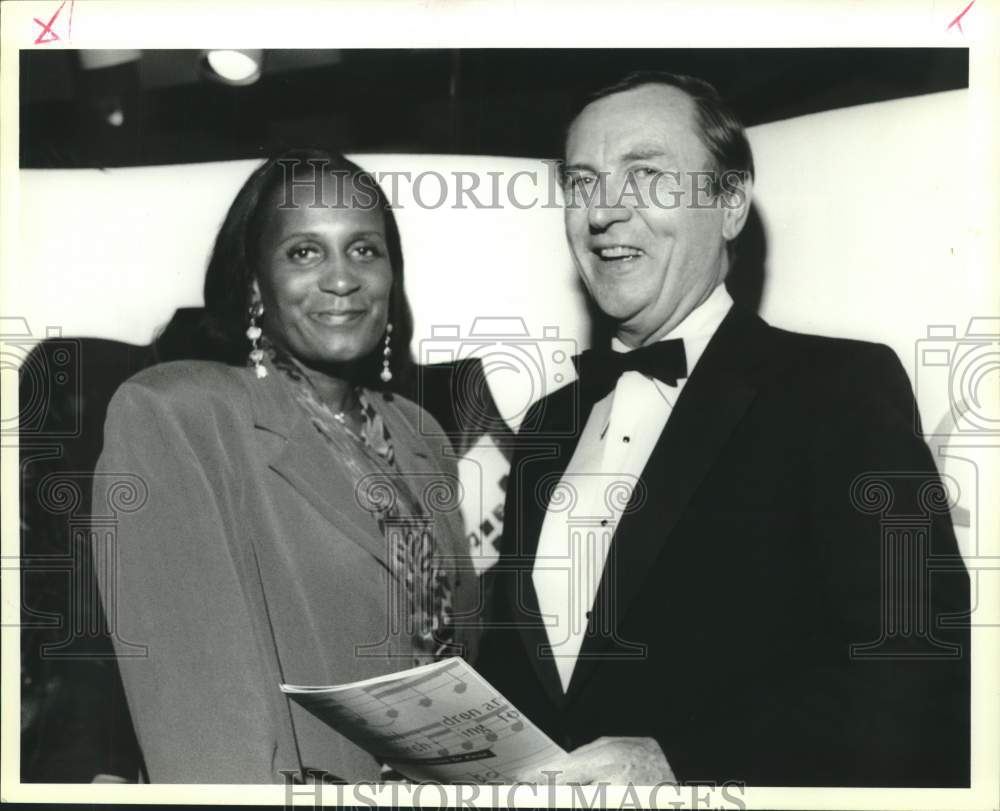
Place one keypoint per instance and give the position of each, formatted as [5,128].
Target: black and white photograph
[413,413]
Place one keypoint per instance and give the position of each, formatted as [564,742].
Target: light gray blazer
[252,562]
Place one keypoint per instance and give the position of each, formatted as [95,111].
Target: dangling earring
[254,333]
[386,373]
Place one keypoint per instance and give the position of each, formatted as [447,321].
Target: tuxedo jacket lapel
[546,442]
[713,401]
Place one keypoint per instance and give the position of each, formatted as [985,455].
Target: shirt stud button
[604,522]
[626,439]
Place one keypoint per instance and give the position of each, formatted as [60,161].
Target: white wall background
[864,211]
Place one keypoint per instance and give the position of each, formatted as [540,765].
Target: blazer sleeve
[893,707]
[202,700]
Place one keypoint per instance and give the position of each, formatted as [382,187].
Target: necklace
[341,417]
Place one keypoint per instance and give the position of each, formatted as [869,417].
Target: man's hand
[616,761]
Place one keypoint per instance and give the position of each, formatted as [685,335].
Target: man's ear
[735,200]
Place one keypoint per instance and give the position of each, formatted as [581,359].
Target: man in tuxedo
[727,553]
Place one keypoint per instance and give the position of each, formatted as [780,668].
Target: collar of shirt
[697,329]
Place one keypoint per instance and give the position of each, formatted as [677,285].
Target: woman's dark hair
[231,268]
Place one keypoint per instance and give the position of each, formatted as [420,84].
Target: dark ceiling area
[160,108]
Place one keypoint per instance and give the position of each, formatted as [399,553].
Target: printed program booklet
[441,721]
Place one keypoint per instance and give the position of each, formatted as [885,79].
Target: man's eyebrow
[636,153]
[639,153]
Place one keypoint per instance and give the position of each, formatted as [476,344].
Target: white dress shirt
[595,488]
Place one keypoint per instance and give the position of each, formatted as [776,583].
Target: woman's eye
[303,254]
[366,251]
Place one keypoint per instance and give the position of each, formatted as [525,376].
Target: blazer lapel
[307,463]
[417,461]
[409,457]
[710,407]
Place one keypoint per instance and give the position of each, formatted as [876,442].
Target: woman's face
[324,276]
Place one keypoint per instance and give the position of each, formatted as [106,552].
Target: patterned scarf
[423,598]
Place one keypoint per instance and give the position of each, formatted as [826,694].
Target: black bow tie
[599,369]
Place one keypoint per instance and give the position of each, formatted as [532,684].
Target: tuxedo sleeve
[890,700]
[200,698]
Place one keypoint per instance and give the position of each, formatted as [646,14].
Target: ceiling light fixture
[96,59]
[241,67]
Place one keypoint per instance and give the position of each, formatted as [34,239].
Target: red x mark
[958,20]
[48,35]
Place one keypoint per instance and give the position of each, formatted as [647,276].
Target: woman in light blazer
[292,520]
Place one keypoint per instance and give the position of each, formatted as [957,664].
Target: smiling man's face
[647,258]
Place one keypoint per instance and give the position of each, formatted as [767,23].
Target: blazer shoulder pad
[192,385]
